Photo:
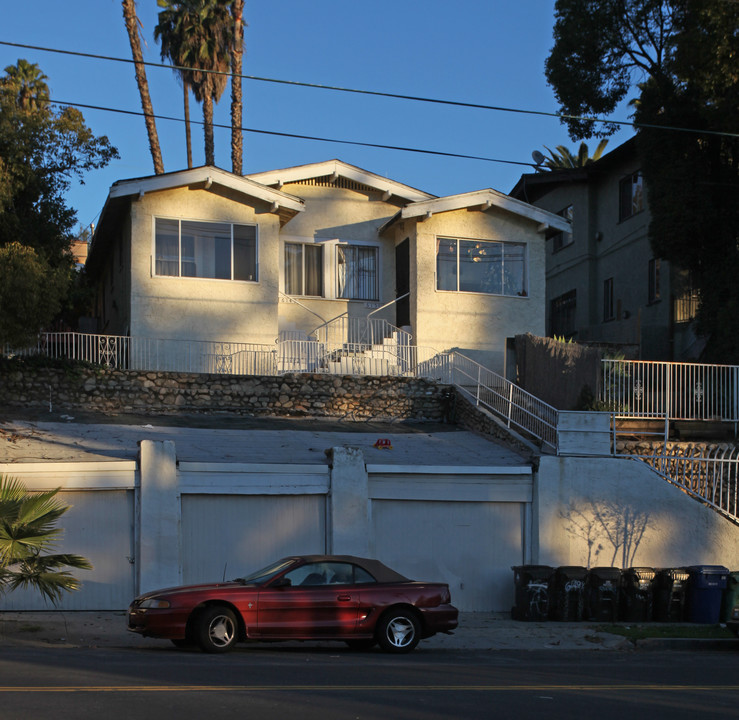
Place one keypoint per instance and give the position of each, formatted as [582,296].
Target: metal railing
[709,474]
[679,391]
[519,409]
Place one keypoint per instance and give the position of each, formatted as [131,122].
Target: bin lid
[606,572]
[641,572]
[572,571]
[707,570]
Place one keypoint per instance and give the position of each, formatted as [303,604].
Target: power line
[297,136]
[377,93]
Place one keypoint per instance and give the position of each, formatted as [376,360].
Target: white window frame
[459,240]
[180,276]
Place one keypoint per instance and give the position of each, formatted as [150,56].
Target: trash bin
[705,587]
[532,592]
[670,585]
[602,592]
[730,597]
[637,594]
[568,596]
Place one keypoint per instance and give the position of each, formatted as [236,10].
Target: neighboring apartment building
[603,283]
[203,254]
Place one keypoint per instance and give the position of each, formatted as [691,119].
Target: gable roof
[481,200]
[336,169]
[207,176]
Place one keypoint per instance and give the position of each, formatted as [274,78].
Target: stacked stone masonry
[304,395]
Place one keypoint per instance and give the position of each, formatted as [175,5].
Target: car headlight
[155,603]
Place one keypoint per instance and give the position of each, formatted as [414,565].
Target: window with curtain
[220,251]
[481,266]
[304,269]
[356,272]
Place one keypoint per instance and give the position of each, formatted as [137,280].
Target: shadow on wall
[607,528]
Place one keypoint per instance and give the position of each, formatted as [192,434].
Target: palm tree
[169,33]
[27,533]
[201,32]
[26,81]
[237,52]
[132,25]
[562,159]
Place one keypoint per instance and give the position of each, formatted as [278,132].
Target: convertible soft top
[381,572]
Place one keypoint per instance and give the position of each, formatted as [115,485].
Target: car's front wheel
[216,629]
[398,631]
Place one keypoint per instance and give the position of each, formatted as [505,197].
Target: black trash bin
[568,596]
[602,593]
[637,594]
[532,592]
[705,588]
[670,586]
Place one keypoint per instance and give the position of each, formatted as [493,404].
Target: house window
[304,269]
[631,195]
[608,300]
[687,299]
[563,239]
[356,272]
[479,266]
[562,315]
[221,251]
[653,283]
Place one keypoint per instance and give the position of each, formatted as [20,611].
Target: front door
[402,283]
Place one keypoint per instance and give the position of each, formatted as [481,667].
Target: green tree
[132,27]
[678,59]
[28,533]
[199,32]
[42,149]
[562,159]
[169,32]
[31,294]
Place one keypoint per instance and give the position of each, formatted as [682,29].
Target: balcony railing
[678,391]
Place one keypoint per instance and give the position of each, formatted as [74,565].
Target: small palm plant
[27,534]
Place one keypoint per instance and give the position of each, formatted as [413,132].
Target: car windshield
[260,577]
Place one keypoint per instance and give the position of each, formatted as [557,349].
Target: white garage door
[98,526]
[232,535]
[469,545]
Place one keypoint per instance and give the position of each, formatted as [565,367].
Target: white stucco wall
[196,308]
[618,512]
[476,324]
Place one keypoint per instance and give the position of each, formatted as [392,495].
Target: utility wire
[258,131]
[377,93]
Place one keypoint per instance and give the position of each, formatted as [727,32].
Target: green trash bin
[637,594]
[532,592]
[670,587]
[730,597]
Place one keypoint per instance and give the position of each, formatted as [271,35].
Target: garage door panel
[98,526]
[470,546]
[231,535]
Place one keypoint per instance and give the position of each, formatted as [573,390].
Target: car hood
[182,589]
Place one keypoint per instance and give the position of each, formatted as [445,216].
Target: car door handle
[344,598]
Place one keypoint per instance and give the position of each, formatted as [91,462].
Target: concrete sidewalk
[477,631]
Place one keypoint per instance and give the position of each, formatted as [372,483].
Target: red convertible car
[312,597]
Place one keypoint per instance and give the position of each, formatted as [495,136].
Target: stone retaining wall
[67,386]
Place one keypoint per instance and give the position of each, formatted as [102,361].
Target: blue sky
[490,52]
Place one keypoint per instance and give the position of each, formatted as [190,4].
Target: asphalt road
[311,683]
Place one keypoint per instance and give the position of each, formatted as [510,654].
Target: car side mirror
[282,582]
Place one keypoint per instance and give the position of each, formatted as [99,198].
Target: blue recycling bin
[705,589]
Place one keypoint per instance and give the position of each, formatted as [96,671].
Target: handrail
[387,304]
[305,307]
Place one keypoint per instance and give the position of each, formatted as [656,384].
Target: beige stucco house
[203,254]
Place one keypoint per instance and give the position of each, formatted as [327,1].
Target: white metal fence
[710,474]
[678,391]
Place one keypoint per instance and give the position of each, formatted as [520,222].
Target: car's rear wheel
[398,631]
[216,629]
